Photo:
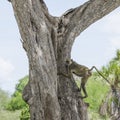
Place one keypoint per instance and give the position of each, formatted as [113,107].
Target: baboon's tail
[100,74]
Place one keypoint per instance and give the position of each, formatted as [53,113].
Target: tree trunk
[47,41]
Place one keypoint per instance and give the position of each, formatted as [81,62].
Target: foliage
[25,115]
[15,104]
[4,98]
[112,70]
[16,101]
[5,114]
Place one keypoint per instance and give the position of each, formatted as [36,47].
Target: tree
[47,41]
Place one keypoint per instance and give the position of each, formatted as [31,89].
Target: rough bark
[48,41]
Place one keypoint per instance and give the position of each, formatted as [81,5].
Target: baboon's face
[68,62]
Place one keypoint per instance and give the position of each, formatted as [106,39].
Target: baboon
[81,71]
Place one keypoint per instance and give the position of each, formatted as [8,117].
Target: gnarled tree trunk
[48,41]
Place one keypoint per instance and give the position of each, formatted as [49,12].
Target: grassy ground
[8,115]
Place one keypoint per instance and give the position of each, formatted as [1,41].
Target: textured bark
[48,41]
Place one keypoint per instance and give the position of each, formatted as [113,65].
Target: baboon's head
[69,61]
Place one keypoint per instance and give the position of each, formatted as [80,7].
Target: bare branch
[83,16]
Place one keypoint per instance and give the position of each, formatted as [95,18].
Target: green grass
[9,115]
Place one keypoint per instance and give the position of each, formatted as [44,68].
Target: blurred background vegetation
[14,108]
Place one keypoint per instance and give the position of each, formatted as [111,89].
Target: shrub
[16,101]
[25,115]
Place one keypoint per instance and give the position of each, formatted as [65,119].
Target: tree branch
[83,16]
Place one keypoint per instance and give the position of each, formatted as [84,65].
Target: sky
[95,46]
